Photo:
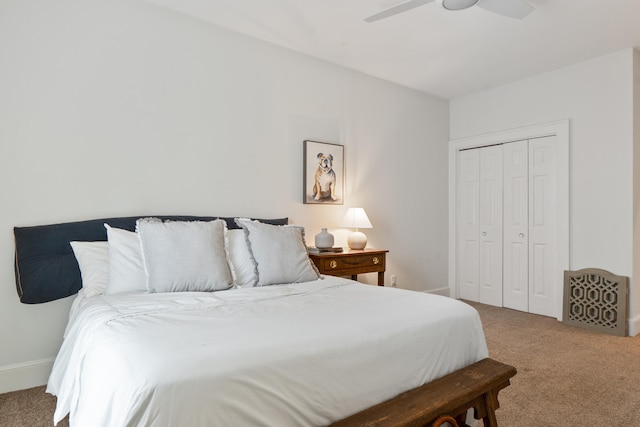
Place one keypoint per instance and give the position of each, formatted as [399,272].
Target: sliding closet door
[530,226]
[510,240]
[516,225]
[468,226]
[490,264]
[543,244]
[480,225]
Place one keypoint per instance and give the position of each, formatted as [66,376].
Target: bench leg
[490,400]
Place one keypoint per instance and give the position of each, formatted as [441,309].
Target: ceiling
[443,53]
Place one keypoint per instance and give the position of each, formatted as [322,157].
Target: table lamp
[356,218]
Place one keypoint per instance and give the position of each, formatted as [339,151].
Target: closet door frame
[559,129]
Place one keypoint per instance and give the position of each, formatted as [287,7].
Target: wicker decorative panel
[597,300]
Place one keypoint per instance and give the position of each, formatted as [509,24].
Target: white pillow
[93,260]
[126,270]
[279,252]
[241,263]
[184,255]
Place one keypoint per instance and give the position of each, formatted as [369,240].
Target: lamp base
[357,240]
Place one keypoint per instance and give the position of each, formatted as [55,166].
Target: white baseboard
[19,376]
[634,326]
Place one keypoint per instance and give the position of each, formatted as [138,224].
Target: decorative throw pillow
[279,252]
[93,260]
[184,255]
[126,270]
[241,263]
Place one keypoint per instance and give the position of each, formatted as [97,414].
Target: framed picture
[323,173]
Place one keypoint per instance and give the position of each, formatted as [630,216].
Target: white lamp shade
[356,218]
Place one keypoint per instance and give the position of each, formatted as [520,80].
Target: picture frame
[323,168]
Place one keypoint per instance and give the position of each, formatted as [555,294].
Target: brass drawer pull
[333,264]
[376,260]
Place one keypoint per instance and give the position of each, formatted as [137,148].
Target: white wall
[597,97]
[116,107]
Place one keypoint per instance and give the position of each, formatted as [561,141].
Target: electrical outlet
[393,280]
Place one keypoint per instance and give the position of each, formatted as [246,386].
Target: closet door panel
[468,243]
[490,260]
[543,275]
[516,225]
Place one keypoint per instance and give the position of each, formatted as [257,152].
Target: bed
[270,342]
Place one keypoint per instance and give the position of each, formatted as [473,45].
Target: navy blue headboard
[45,267]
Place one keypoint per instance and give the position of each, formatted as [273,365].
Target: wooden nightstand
[351,263]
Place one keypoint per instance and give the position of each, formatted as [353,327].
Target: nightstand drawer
[370,262]
[351,263]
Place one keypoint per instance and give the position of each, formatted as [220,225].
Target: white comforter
[304,354]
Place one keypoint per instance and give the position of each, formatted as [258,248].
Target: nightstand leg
[354,277]
[381,278]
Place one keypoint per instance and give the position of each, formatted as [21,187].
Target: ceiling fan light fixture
[458,4]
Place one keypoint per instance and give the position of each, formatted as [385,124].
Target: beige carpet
[566,376]
[28,408]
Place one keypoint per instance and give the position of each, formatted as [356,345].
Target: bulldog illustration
[325,181]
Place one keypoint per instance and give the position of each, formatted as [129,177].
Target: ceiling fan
[517,9]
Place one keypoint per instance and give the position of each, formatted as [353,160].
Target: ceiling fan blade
[517,9]
[399,8]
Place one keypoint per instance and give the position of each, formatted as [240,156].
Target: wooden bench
[475,386]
